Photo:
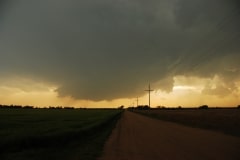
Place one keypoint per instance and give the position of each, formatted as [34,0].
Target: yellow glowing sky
[187,92]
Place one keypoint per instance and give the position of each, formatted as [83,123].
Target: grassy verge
[54,134]
[223,120]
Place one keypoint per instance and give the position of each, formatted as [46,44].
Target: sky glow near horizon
[182,94]
[103,54]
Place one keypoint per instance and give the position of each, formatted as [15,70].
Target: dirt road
[137,137]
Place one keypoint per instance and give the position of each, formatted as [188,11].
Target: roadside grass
[38,134]
[223,120]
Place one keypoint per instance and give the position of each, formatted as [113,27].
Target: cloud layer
[105,50]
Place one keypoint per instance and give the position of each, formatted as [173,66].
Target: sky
[104,53]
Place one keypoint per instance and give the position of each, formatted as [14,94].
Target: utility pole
[137,101]
[149,90]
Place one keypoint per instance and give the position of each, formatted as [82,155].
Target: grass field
[54,133]
[223,120]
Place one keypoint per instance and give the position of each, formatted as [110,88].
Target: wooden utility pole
[137,101]
[149,90]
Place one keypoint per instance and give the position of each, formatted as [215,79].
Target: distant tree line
[206,107]
[60,107]
[140,107]
[146,107]
[31,107]
[16,106]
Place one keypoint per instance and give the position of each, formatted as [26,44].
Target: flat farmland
[223,120]
[54,133]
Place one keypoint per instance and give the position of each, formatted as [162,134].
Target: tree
[121,107]
[203,107]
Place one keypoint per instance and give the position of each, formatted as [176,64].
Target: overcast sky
[106,50]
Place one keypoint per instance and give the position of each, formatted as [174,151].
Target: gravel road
[137,137]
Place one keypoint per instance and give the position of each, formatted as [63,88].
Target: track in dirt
[137,137]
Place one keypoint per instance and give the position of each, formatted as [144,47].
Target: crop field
[223,120]
[54,133]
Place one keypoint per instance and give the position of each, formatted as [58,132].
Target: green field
[222,120]
[54,133]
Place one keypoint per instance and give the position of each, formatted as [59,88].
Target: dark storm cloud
[102,50]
